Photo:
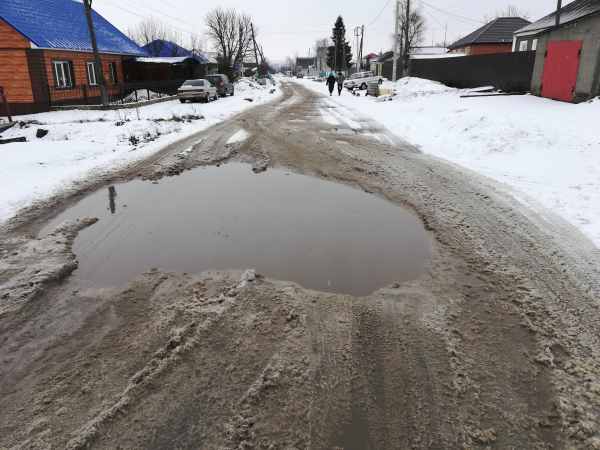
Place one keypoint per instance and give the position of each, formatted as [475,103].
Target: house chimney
[558,6]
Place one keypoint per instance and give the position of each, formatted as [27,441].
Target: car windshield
[194,83]
[214,79]
[354,76]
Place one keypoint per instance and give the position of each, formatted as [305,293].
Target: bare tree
[155,37]
[416,28]
[197,43]
[320,51]
[231,33]
[509,11]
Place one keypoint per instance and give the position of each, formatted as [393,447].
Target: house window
[523,46]
[468,50]
[534,45]
[62,73]
[90,68]
[112,68]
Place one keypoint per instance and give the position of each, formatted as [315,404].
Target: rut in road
[496,347]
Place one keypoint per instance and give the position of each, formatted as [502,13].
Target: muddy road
[496,345]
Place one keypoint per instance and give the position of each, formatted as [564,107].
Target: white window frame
[62,73]
[112,70]
[91,74]
[523,46]
[534,45]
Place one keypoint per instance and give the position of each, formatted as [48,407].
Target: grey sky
[287,27]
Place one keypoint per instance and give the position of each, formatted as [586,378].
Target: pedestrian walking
[331,83]
[340,81]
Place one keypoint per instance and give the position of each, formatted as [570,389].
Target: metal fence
[510,72]
[119,94]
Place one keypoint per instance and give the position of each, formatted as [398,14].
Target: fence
[510,72]
[118,94]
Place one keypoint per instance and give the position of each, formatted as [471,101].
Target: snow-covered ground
[548,150]
[80,142]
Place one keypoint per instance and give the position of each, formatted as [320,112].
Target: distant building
[493,37]
[567,59]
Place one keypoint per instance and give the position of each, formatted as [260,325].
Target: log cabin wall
[79,59]
[14,71]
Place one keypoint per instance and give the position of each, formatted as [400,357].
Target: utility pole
[405,60]
[362,33]
[337,38]
[395,43]
[558,7]
[446,34]
[255,52]
[87,9]
[357,33]
[344,49]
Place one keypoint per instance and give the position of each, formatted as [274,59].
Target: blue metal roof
[167,49]
[62,25]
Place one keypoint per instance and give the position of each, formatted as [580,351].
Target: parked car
[197,90]
[361,80]
[221,82]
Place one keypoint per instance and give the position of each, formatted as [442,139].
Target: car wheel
[232,92]
[216,96]
[363,86]
[182,100]
[207,98]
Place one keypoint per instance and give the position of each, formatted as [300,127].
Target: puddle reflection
[320,234]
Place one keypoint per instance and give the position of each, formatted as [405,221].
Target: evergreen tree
[336,60]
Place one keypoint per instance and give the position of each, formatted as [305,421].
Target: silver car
[197,90]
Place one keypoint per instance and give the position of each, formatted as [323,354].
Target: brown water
[320,234]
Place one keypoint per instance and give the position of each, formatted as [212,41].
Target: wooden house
[45,47]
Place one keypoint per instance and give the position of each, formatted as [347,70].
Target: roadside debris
[17,139]
[41,133]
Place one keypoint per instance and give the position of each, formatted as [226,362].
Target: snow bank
[546,149]
[81,142]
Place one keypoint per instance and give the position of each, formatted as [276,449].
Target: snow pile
[248,84]
[239,136]
[547,150]
[82,143]
[142,94]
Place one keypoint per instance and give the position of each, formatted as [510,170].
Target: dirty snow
[547,150]
[240,136]
[79,142]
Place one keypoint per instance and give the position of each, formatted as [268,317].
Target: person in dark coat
[340,81]
[331,83]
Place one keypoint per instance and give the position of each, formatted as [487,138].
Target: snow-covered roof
[167,49]
[498,31]
[569,13]
[163,60]
[61,24]
[437,56]
[211,57]
[428,50]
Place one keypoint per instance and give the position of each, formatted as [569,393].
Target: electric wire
[388,2]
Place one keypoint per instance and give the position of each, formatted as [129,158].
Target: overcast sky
[286,27]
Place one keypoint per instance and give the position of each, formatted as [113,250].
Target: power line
[445,28]
[388,2]
[454,16]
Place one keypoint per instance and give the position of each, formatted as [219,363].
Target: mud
[289,227]
[495,346]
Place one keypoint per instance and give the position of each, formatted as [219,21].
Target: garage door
[560,70]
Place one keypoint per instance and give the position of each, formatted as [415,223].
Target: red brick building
[45,45]
[493,37]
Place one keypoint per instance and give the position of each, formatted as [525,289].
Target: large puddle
[322,235]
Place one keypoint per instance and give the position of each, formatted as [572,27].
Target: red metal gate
[560,70]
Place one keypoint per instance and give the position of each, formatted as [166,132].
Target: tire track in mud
[447,361]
